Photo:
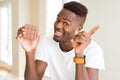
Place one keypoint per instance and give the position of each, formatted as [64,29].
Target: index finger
[92,31]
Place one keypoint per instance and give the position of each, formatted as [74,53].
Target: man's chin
[55,39]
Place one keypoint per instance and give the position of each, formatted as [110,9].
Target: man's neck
[66,46]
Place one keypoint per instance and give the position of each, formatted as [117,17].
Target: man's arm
[41,67]
[30,69]
[34,69]
[83,73]
[28,37]
[80,42]
[92,73]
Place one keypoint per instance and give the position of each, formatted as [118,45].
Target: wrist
[79,60]
[30,53]
[79,55]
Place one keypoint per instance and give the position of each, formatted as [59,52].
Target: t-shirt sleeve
[94,57]
[41,50]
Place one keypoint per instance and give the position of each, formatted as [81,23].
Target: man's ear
[80,28]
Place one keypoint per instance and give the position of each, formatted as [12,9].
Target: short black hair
[76,8]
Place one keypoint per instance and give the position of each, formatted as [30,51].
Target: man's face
[65,26]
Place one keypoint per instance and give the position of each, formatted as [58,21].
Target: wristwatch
[77,60]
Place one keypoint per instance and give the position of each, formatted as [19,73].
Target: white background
[106,13]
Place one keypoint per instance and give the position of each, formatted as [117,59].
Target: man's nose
[58,25]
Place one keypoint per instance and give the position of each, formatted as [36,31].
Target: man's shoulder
[93,46]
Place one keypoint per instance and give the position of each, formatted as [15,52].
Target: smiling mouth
[58,33]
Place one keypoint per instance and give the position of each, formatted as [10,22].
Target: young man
[69,55]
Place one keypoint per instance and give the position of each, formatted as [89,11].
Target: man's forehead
[66,14]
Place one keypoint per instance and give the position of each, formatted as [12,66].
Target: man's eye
[65,24]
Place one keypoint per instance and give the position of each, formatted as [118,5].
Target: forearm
[30,70]
[81,72]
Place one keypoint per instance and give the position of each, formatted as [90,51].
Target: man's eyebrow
[64,18]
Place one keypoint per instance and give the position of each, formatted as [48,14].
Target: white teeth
[58,33]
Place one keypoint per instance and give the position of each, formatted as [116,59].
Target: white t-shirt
[60,64]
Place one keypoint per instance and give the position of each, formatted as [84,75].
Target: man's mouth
[58,33]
